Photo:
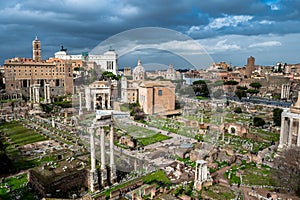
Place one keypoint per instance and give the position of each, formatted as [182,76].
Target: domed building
[171,73]
[138,72]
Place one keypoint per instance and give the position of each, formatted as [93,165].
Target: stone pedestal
[94,184]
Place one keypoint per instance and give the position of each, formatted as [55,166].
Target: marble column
[298,136]
[80,102]
[37,93]
[204,173]
[93,154]
[282,132]
[108,102]
[48,94]
[113,175]
[88,98]
[94,186]
[102,153]
[94,102]
[291,128]
[53,123]
[103,101]
[30,93]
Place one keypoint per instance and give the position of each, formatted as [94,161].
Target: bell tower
[36,49]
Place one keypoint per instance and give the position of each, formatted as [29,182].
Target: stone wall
[56,186]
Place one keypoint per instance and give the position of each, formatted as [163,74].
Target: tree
[238,110]
[241,87]
[110,75]
[231,82]
[277,116]
[251,91]
[240,93]
[256,85]
[200,88]
[258,121]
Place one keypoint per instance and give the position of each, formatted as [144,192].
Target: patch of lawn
[158,177]
[152,139]
[218,192]
[18,188]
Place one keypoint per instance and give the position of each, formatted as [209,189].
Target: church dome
[138,72]
[139,68]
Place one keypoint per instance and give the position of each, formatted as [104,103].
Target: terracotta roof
[156,84]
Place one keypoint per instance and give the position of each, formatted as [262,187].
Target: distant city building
[21,74]
[157,97]
[138,72]
[171,73]
[127,71]
[36,50]
[250,67]
[107,62]
[129,90]
[98,95]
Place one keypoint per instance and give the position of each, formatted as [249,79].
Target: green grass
[152,139]
[17,185]
[125,107]
[137,131]
[256,176]
[187,161]
[19,134]
[158,176]
[218,192]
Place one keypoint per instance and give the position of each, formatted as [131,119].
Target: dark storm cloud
[81,25]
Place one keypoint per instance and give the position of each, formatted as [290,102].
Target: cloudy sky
[226,30]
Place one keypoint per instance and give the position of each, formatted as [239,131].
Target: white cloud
[266,22]
[218,23]
[226,21]
[221,46]
[129,10]
[265,44]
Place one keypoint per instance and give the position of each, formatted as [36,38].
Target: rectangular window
[109,65]
[159,92]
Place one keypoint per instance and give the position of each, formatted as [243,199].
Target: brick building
[22,73]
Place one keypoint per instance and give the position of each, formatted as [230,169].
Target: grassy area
[218,192]
[266,135]
[202,98]
[137,131]
[186,161]
[19,134]
[125,107]
[231,174]
[17,188]
[152,139]
[258,176]
[158,177]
